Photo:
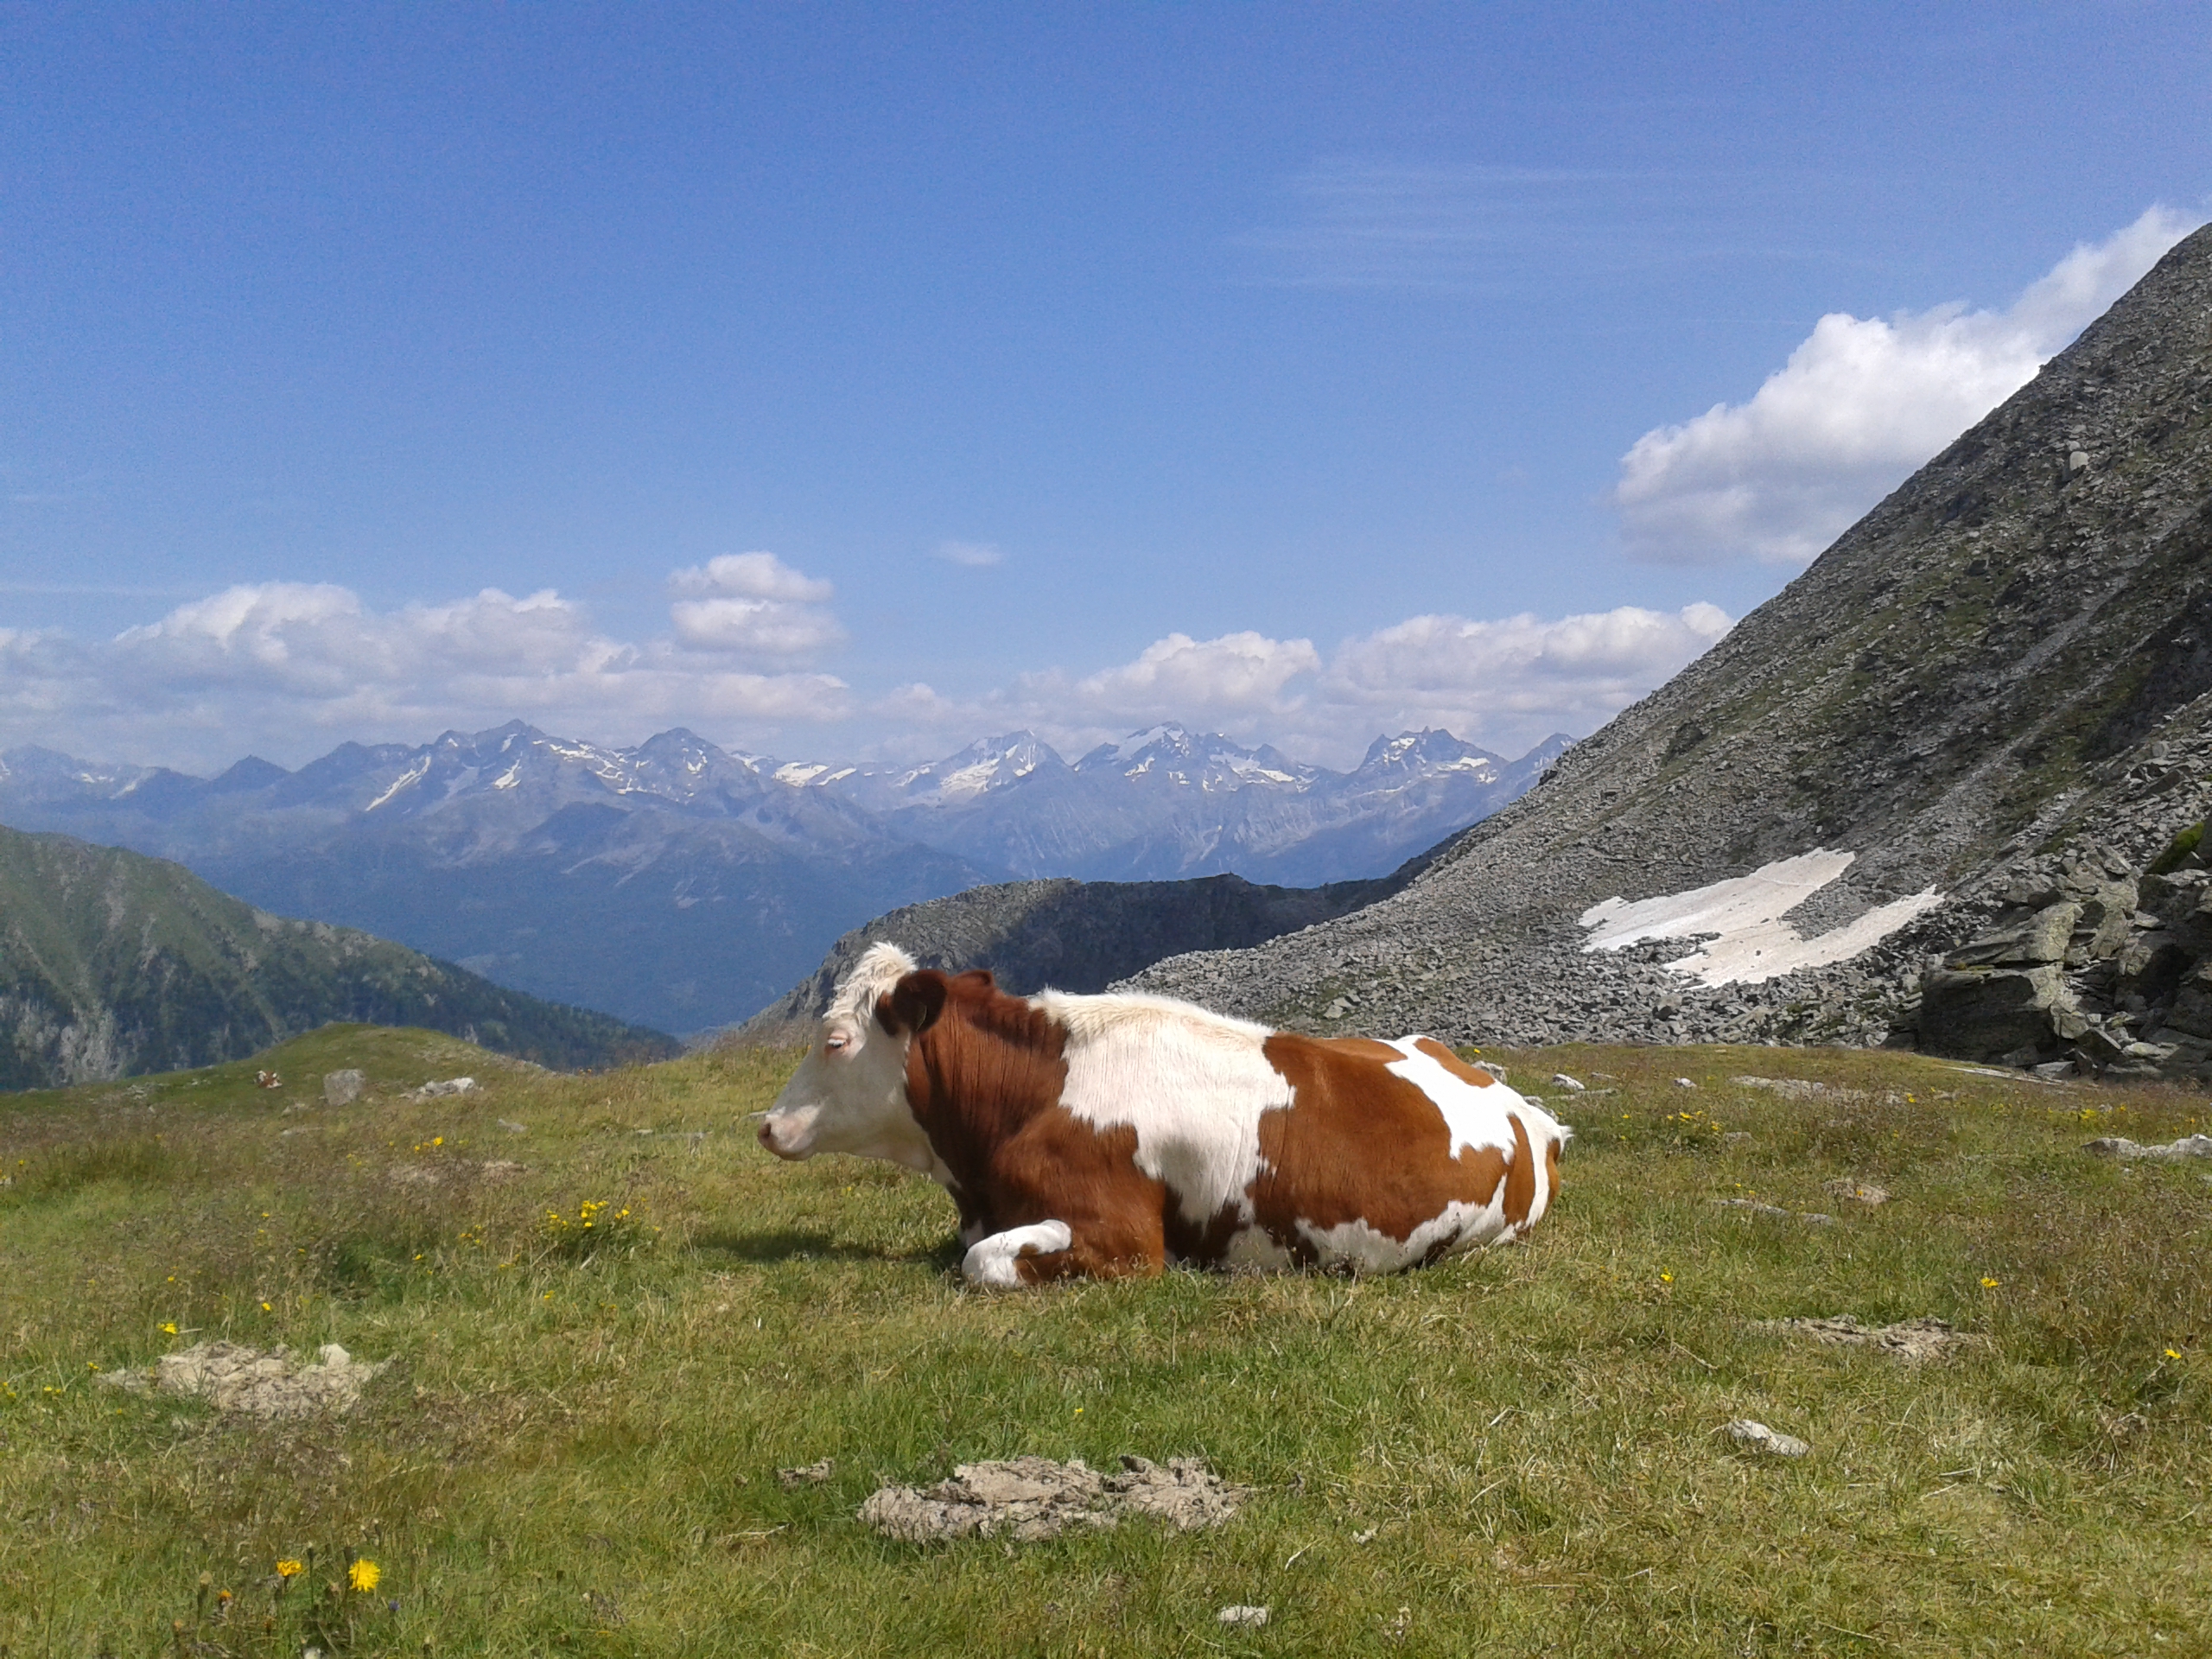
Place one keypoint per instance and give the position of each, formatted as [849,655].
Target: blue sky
[1300,372]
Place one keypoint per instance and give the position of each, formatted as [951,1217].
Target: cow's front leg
[1058,1249]
[999,1260]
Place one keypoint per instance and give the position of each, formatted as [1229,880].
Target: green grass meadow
[574,1448]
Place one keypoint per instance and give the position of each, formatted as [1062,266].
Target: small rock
[1251,1617]
[514,1128]
[1031,1499]
[267,1384]
[1908,1340]
[1566,1082]
[1684,1083]
[342,1088]
[1757,1436]
[2173,1152]
[807,1474]
[438,1091]
[1858,1191]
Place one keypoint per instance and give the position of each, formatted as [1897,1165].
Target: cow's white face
[849,1093]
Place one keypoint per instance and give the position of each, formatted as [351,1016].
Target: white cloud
[287,668]
[1859,405]
[753,604]
[1506,684]
[975,555]
[1238,674]
[763,627]
[1509,683]
[752,575]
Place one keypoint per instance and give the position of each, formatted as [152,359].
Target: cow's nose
[767,1136]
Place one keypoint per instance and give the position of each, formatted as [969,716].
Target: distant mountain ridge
[112,964]
[1167,803]
[685,887]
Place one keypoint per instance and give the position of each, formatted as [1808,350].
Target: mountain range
[681,885]
[113,964]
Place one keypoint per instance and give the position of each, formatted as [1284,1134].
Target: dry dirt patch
[1927,1337]
[1033,1498]
[268,1383]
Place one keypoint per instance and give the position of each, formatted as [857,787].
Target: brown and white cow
[1109,1134]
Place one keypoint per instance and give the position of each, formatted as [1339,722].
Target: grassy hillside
[574,1448]
[112,964]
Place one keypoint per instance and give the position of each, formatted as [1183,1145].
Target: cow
[1107,1135]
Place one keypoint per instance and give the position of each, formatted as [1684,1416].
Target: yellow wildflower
[1666,1278]
[168,1327]
[2173,1353]
[363,1575]
[1988,1283]
[289,1568]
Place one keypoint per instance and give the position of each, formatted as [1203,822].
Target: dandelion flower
[289,1568]
[2173,1353]
[1666,1278]
[1988,1283]
[363,1575]
[168,1327]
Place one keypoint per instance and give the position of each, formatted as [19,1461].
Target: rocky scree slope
[112,964]
[1974,676]
[1076,936]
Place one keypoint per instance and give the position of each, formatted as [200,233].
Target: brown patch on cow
[1452,1063]
[984,1078]
[1520,1179]
[1321,1150]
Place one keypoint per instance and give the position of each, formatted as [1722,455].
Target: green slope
[112,964]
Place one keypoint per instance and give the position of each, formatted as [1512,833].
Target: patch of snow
[1754,943]
[414,774]
[799,773]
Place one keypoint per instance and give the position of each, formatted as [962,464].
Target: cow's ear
[981,979]
[912,1004]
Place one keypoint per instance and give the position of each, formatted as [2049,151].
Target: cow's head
[849,1093]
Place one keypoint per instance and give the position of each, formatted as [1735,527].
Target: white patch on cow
[1479,1119]
[1458,1229]
[990,1261]
[849,1093]
[1192,1084]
